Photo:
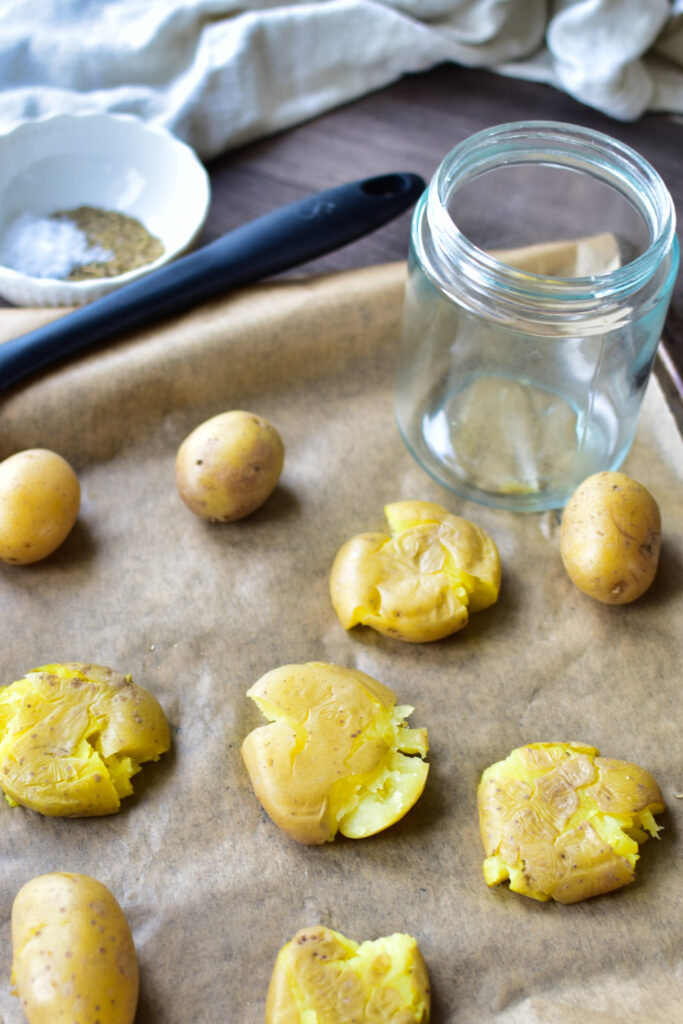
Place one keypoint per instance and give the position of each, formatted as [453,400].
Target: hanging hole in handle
[386,186]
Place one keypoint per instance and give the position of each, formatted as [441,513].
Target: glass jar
[541,265]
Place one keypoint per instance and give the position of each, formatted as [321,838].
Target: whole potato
[610,538]
[39,501]
[74,957]
[227,467]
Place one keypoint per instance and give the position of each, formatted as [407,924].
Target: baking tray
[198,611]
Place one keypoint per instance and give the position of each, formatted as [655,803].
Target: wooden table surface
[410,126]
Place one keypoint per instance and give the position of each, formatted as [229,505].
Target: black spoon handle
[275,242]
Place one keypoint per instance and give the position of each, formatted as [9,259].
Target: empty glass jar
[541,265]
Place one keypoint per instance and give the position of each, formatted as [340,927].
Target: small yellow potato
[561,822]
[227,467]
[421,583]
[337,754]
[74,957]
[39,501]
[610,538]
[71,737]
[321,977]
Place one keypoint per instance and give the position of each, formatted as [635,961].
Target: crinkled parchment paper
[198,611]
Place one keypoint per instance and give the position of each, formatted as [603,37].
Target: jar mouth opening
[561,146]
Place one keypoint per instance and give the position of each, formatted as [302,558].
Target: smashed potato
[40,498]
[71,737]
[337,754]
[562,823]
[229,465]
[321,977]
[74,957]
[610,537]
[422,582]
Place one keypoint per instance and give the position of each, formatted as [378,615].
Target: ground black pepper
[130,242]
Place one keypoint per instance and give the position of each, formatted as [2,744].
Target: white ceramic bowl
[114,162]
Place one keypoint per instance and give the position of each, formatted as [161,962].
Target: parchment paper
[197,612]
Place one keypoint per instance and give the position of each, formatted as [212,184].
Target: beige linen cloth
[198,611]
[219,73]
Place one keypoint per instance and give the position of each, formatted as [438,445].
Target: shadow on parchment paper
[152,777]
[667,582]
[282,504]
[498,620]
[79,549]
[654,855]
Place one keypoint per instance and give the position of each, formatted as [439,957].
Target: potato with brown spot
[72,736]
[610,538]
[561,822]
[229,465]
[421,581]
[337,754]
[73,953]
[40,497]
[321,977]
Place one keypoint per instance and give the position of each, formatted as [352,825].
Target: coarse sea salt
[47,247]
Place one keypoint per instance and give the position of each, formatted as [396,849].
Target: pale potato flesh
[73,953]
[421,583]
[337,754]
[321,977]
[561,822]
[71,737]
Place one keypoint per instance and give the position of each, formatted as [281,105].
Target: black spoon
[278,241]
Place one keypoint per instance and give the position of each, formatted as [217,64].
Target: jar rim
[555,144]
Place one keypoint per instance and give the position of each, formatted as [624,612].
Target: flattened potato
[610,538]
[71,737]
[561,822]
[321,977]
[74,957]
[421,583]
[337,754]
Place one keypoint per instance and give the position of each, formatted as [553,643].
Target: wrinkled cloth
[220,73]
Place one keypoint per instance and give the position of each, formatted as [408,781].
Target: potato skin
[71,737]
[39,501]
[560,822]
[333,732]
[323,976]
[420,582]
[229,465]
[74,957]
[610,538]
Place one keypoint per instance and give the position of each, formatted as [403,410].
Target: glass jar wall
[541,266]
